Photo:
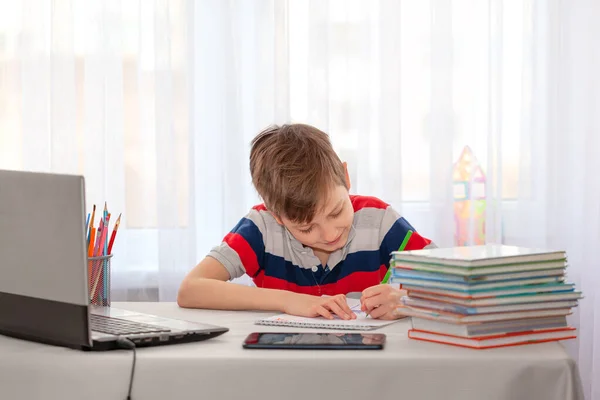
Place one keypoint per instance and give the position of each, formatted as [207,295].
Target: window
[341,80]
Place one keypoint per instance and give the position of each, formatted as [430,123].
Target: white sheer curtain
[103,88]
[156,103]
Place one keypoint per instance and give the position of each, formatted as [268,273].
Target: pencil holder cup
[99,280]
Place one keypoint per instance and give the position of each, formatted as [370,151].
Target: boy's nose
[330,235]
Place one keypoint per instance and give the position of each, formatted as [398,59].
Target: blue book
[466,310]
[505,291]
[443,277]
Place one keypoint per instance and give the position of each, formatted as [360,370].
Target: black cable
[128,344]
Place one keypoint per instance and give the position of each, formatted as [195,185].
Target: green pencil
[386,278]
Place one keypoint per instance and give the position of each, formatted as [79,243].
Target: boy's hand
[382,301]
[313,306]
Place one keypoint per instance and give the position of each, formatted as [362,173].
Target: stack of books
[485,296]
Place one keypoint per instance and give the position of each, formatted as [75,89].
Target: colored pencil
[105,214]
[104,262]
[386,278]
[102,241]
[87,224]
[92,238]
[105,237]
[92,222]
[101,228]
[113,235]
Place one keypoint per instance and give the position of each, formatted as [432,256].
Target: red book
[493,341]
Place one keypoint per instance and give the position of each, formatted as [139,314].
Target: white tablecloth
[221,369]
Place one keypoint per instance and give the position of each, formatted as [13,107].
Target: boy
[309,244]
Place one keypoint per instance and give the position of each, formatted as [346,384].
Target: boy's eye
[309,230]
[337,214]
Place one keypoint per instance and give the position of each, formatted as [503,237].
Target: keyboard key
[117,326]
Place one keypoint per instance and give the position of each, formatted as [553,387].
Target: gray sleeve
[229,258]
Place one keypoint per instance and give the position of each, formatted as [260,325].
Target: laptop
[43,273]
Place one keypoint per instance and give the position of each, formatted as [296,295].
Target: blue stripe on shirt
[360,261]
[249,231]
[393,239]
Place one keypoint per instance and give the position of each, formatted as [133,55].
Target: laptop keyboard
[117,326]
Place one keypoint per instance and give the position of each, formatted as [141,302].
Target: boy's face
[329,229]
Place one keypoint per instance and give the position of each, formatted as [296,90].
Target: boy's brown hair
[293,168]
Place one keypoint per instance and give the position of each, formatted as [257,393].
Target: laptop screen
[43,290]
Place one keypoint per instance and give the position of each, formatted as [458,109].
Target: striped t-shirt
[265,250]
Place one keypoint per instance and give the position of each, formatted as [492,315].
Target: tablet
[315,340]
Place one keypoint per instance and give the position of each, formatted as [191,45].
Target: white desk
[220,369]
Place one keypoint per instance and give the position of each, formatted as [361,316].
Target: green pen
[386,278]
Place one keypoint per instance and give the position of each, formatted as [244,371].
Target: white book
[479,256]
[362,321]
[489,328]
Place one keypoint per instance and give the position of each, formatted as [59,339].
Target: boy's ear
[277,219]
[345,164]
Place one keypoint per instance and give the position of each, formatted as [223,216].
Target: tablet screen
[312,340]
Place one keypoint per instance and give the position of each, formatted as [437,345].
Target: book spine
[307,325]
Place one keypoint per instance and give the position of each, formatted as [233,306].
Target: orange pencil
[113,235]
[90,225]
[91,250]
[92,220]
[92,239]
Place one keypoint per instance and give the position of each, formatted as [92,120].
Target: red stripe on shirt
[244,251]
[360,202]
[416,242]
[258,279]
[260,207]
